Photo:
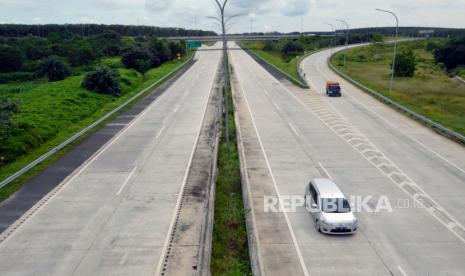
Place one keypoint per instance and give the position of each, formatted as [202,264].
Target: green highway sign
[194,44]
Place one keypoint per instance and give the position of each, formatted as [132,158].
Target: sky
[255,15]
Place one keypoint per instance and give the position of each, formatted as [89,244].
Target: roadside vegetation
[285,54]
[424,76]
[61,83]
[230,252]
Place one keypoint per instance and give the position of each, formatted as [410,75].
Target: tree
[176,48]
[35,48]
[405,64]
[451,55]
[160,49]
[103,80]
[11,59]
[377,38]
[137,58]
[292,48]
[83,55]
[269,46]
[54,69]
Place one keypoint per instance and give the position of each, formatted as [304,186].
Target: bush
[11,59]
[160,49]
[54,69]
[377,38]
[451,55]
[16,76]
[405,63]
[176,48]
[7,110]
[269,46]
[111,50]
[104,81]
[292,48]
[83,55]
[137,58]
[36,48]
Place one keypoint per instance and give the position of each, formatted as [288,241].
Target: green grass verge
[275,58]
[64,109]
[431,92]
[230,252]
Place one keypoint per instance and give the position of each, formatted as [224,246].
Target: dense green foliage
[452,54]
[75,66]
[140,59]
[11,59]
[405,63]
[103,80]
[7,127]
[54,69]
[430,92]
[18,30]
[16,76]
[292,48]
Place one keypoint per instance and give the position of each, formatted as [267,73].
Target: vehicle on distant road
[333,89]
[330,209]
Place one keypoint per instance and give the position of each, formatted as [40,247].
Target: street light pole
[226,69]
[391,83]
[347,39]
[333,30]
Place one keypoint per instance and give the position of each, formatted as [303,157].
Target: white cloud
[268,15]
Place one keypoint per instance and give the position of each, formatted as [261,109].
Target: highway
[115,214]
[290,135]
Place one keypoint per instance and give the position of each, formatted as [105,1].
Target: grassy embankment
[431,92]
[274,57]
[55,111]
[230,252]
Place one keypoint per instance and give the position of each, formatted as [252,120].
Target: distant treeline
[387,31]
[19,30]
[412,31]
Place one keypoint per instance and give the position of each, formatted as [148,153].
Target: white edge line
[173,219]
[126,181]
[291,231]
[160,132]
[293,129]
[324,169]
[401,270]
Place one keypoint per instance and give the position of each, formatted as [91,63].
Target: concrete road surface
[379,158]
[113,216]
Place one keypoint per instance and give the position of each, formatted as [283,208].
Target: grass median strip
[71,122]
[230,254]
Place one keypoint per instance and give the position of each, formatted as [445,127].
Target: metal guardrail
[299,70]
[76,136]
[457,136]
[300,83]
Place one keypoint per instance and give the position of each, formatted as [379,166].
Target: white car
[330,209]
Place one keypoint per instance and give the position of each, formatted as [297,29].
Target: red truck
[333,89]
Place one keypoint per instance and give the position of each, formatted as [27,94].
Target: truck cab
[333,89]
